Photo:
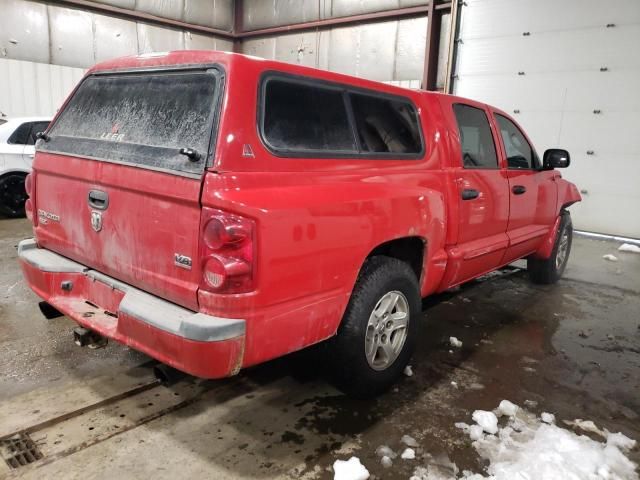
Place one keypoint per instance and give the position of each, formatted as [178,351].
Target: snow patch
[384,451]
[408,454]
[350,469]
[548,417]
[507,409]
[455,342]
[409,441]
[537,449]
[487,420]
[386,462]
[611,258]
[587,426]
[629,247]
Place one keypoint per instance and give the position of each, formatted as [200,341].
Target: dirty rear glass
[139,118]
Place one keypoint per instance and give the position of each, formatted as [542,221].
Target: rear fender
[315,233]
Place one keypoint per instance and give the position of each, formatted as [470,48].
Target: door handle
[518,189]
[98,199]
[470,194]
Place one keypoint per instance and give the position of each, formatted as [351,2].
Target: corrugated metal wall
[48,33]
[273,13]
[385,51]
[29,88]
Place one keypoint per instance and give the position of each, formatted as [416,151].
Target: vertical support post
[452,59]
[430,75]
[237,25]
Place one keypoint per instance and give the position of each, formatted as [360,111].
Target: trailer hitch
[83,337]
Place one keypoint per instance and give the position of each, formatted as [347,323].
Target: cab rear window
[143,119]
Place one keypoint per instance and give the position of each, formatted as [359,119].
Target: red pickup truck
[216,211]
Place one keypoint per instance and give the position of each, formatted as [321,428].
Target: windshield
[140,118]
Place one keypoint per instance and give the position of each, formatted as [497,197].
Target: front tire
[12,195]
[550,270]
[377,335]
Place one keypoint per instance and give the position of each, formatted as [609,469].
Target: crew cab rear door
[532,191]
[113,191]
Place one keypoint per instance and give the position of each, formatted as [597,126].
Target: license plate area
[103,297]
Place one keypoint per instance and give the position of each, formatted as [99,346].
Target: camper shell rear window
[142,118]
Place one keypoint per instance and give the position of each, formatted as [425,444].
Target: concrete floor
[574,348]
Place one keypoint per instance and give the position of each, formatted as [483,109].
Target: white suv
[17,147]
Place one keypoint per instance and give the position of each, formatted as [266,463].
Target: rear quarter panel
[317,219]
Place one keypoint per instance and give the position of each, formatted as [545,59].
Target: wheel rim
[563,249]
[12,193]
[387,330]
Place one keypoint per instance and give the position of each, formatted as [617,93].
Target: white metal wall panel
[69,45]
[210,13]
[410,46]
[130,4]
[572,80]
[387,51]
[194,41]
[48,33]
[34,89]
[152,38]
[162,8]
[365,50]
[114,37]
[24,31]
[271,13]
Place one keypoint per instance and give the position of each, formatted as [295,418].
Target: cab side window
[386,126]
[520,154]
[476,140]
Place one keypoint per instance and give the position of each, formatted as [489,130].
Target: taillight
[28,185]
[28,209]
[28,205]
[226,252]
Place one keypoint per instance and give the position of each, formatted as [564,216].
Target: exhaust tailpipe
[167,375]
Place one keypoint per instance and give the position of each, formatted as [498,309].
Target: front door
[532,191]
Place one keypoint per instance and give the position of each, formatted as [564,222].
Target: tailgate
[113,191]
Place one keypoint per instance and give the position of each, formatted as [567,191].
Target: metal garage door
[34,89]
[569,71]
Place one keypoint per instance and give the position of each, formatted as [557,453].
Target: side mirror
[555,158]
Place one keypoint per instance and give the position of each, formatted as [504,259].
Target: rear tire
[550,270]
[378,332]
[12,195]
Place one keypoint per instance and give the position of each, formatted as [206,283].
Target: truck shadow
[286,409]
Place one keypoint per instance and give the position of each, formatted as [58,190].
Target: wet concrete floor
[572,349]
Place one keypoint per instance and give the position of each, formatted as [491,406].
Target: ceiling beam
[145,17]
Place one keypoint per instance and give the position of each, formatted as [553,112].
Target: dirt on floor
[572,349]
